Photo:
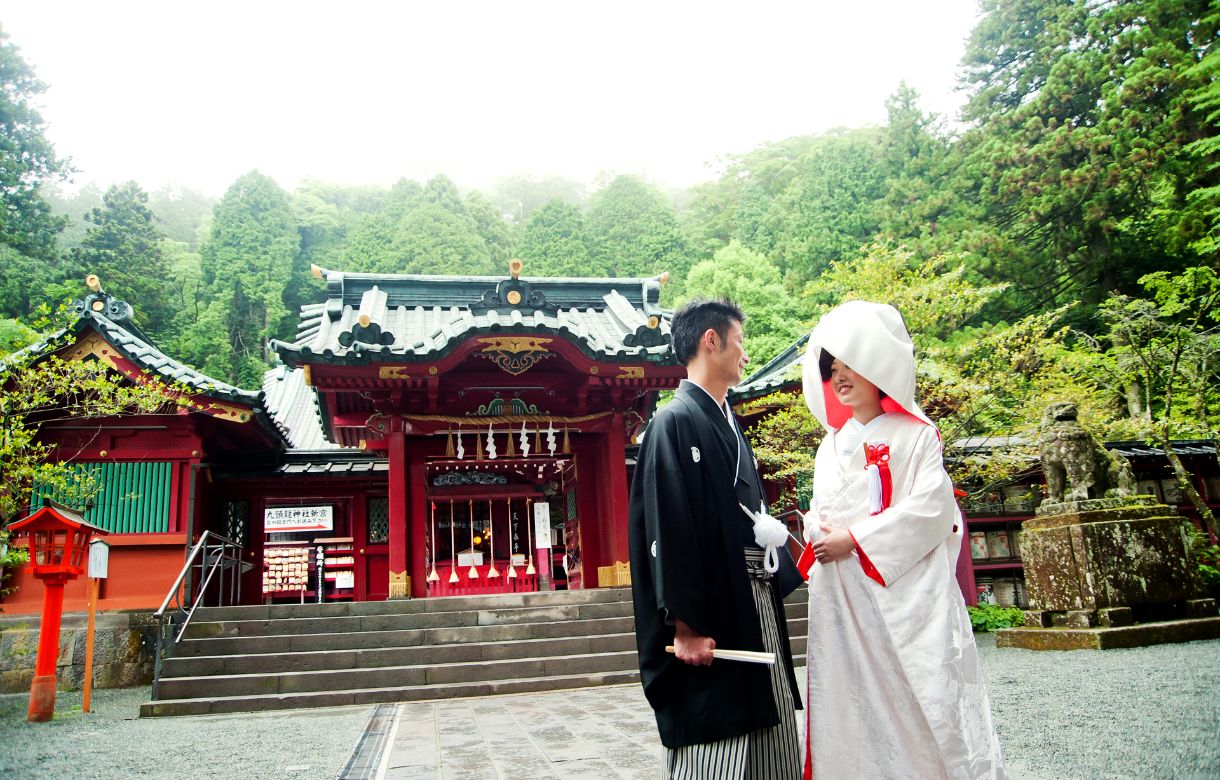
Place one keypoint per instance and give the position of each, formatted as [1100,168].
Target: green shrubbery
[989,617]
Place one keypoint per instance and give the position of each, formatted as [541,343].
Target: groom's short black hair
[695,318]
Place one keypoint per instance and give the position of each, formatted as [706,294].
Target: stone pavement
[597,733]
[1137,713]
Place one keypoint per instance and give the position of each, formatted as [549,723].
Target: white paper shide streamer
[769,533]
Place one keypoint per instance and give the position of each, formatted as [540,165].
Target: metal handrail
[211,554]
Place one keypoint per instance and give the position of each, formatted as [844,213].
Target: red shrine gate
[488,397]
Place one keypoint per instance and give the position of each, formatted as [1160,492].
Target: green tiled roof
[110,318]
[147,356]
[782,372]
[409,318]
[294,406]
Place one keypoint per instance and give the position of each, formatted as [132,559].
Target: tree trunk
[1134,393]
[1187,485]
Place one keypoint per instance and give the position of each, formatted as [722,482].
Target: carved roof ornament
[513,293]
[98,301]
[515,354]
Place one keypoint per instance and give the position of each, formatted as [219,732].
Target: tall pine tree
[247,263]
[124,247]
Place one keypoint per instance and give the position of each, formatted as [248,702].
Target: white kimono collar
[849,437]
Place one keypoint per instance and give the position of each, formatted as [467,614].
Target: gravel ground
[111,742]
[1151,712]
[1146,712]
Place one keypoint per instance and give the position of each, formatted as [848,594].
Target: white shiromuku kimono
[895,687]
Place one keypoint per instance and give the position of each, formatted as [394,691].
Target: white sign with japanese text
[299,518]
[542,526]
[99,558]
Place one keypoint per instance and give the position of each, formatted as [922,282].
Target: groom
[698,579]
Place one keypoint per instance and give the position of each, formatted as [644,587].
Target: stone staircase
[244,659]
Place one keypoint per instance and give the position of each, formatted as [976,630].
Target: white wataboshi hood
[872,340]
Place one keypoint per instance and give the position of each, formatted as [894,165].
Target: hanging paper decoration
[567,445]
[473,573]
[512,538]
[529,535]
[449,444]
[491,443]
[453,578]
[550,437]
[525,441]
[492,572]
[461,451]
[432,575]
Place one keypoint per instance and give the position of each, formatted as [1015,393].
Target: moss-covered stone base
[1106,638]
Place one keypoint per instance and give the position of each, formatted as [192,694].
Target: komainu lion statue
[1072,457]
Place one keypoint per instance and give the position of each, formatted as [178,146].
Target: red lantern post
[58,539]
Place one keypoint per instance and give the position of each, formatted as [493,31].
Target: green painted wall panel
[134,498]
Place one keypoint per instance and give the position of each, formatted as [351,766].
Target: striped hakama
[765,754]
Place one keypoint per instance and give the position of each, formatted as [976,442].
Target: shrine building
[421,436]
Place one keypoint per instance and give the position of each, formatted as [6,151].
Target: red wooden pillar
[399,588]
[417,514]
[589,452]
[615,512]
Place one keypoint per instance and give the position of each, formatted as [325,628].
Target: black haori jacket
[687,535]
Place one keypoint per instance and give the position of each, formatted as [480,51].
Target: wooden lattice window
[237,521]
[378,521]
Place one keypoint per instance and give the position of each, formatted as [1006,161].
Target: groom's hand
[691,647]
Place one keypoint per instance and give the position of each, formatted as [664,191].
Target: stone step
[421,655]
[391,622]
[312,624]
[362,655]
[454,670]
[415,606]
[224,704]
[504,632]
[252,658]
[390,676]
[438,604]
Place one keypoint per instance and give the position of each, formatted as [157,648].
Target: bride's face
[850,388]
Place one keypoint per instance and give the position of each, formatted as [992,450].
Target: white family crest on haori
[694,454]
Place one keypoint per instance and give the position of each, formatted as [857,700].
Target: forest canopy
[1058,240]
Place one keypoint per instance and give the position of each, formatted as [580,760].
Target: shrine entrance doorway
[483,525]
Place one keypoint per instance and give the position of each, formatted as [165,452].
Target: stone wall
[123,646]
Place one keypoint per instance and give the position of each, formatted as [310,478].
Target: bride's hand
[835,545]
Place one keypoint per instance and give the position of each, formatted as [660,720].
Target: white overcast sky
[198,93]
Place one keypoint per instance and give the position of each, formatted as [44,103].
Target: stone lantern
[59,545]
